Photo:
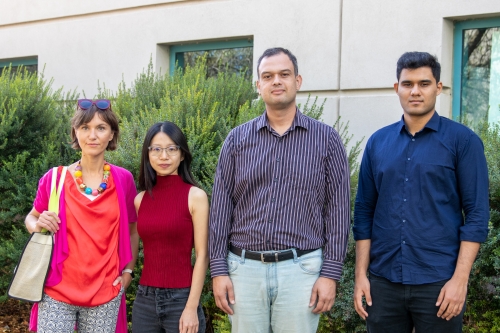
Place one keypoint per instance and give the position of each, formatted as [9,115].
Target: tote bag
[33,266]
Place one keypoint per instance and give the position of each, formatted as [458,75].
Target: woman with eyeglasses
[172,218]
[92,259]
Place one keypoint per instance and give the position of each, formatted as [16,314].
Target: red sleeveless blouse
[165,226]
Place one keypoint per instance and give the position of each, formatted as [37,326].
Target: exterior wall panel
[347,50]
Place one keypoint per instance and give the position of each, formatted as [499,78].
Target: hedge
[34,127]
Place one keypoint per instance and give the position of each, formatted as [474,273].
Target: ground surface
[14,316]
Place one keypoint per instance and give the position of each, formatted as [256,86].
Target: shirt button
[404,242]
[408,158]
[412,139]
[278,159]
[404,200]
[404,221]
[406,179]
[275,180]
[270,221]
[268,241]
[273,199]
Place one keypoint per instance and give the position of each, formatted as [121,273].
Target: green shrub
[26,105]
[483,305]
[10,251]
[490,134]
[34,127]
[342,317]
[206,109]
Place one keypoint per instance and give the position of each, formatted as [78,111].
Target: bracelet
[128,270]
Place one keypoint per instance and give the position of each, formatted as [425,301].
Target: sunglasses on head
[102,104]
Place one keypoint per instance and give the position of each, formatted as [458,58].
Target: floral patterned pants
[59,317]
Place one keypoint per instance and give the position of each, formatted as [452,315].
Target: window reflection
[480,99]
[234,60]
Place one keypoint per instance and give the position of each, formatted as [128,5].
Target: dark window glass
[31,69]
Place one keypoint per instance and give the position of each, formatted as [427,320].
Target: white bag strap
[55,194]
[61,180]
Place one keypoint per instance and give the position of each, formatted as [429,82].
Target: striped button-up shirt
[275,192]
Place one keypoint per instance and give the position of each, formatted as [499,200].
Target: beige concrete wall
[23,11]
[111,41]
[376,33]
[347,50]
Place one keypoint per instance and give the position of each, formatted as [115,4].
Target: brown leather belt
[270,256]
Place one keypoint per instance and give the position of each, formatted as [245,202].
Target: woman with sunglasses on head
[172,217]
[92,259]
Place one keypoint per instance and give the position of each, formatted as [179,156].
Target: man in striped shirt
[280,212]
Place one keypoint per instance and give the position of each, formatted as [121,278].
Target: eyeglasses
[158,151]
[103,104]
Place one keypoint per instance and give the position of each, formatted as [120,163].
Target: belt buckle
[263,258]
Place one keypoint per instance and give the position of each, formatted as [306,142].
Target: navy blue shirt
[419,197]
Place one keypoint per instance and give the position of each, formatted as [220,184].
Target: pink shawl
[126,191]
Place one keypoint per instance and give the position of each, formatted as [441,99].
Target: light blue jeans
[274,297]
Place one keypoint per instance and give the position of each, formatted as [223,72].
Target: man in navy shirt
[420,213]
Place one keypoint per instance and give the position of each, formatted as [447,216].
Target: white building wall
[347,50]
[376,33]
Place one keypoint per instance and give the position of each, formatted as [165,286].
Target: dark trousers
[158,310]
[398,308]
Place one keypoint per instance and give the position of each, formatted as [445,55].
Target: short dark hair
[85,116]
[414,60]
[147,175]
[275,51]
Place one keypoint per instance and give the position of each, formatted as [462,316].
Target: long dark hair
[147,175]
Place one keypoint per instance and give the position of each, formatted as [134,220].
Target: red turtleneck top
[165,226]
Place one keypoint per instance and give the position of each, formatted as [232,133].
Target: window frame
[459,28]
[176,55]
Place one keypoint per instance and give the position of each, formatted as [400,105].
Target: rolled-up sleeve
[366,199]
[472,177]
[221,209]
[337,210]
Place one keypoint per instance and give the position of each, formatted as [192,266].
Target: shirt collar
[298,121]
[432,124]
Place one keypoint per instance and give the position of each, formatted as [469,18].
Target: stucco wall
[376,33]
[347,50]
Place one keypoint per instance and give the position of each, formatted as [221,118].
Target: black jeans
[397,308]
[158,310]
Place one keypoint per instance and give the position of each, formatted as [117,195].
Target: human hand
[189,321]
[451,299]
[323,293]
[223,292]
[125,279]
[48,221]
[362,288]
